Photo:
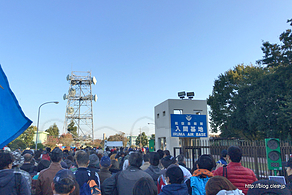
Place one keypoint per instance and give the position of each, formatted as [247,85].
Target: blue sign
[188,125]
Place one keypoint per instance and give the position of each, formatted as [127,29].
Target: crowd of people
[126,171]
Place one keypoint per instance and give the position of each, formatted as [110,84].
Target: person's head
[135,159]
[6,160]
[154,158]
[18,159]
[217,183]
[71,158]
[145,186]
[105,162]
[166,153]
[64,182]
[27,157]
[161,153]
[93,160]
[82,158]
[206,162]
[56,155]
[268,187]
[181,159]
[234,153]
[48,150]
[146,157]
[174,175]
[43,164]
[167,161]
[223,154]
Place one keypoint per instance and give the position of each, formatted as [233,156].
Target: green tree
[53,130]
[256,102]
[278,58]
[225,93]
[25,139]
[72,129]
[119,137]
[143,138]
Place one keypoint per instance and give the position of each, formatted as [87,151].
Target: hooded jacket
[8,183]
[154,172]
[174,189]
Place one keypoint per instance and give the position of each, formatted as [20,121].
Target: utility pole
[140,138]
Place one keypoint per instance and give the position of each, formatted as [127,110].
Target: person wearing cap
[175,182]
[104,173]
[196,184]
[17,163]
[83,174]
[63,183]
[11,183]
[46,176]
[93,163]
[238,175]
[223,158]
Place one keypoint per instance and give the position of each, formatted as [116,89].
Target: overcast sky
[141,52]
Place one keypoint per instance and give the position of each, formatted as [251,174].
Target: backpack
[90,187]
[46,157]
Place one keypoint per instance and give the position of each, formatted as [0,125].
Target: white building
[165,139]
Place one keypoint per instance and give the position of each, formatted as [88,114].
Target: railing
[253,154]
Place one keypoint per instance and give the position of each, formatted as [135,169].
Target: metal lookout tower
[79,104]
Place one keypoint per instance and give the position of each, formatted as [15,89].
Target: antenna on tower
[79,103]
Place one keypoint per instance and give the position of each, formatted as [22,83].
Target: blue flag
[13,122]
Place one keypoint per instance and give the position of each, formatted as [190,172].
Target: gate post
[256,161]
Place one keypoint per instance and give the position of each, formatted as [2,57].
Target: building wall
[162,119]
[42,136]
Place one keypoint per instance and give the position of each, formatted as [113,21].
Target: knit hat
[267,186]
[105,161]
[168,160]
[93,159]
[18,159]
[175,174]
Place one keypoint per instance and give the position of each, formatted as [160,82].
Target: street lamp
[37,134]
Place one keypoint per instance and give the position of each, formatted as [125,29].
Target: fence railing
[253,154]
